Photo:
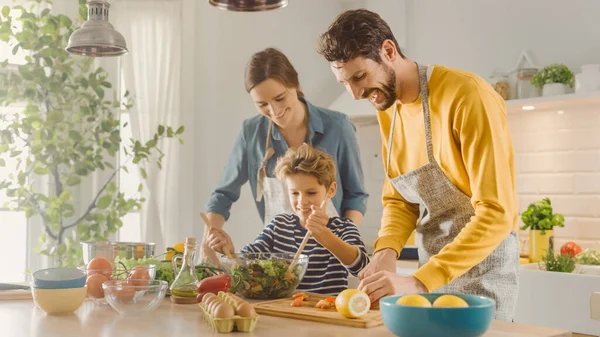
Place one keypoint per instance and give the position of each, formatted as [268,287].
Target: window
[128,184]
[14,241]
[13,224]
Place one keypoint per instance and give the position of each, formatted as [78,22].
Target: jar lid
[527,71]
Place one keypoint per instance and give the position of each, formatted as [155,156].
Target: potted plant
[66,131]
[540,220]
[554,79]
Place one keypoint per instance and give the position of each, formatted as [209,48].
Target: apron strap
[262,171]
[426,118]
[424,92]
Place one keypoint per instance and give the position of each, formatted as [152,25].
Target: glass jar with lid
[525,89]
[499,81]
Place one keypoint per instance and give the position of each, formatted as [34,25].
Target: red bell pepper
[214,284]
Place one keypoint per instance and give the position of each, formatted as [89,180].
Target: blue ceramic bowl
[59,278]
[409,321]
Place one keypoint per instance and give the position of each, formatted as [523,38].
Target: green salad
[266,279]
[164,269]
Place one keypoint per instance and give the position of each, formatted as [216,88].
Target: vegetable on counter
[570,248]
[164,270]
[588,256]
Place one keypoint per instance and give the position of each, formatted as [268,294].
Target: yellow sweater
[472,144]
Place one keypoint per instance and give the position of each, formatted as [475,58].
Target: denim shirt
[330,131]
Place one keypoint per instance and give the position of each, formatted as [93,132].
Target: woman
[286,120]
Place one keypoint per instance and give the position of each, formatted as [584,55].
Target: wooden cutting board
[308,312]
[17,294]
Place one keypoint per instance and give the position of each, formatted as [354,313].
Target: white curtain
[152,74]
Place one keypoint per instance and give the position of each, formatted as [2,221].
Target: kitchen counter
[21,318]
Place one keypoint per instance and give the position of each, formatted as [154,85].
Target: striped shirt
[325,274]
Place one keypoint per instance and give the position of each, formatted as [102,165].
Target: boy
[335,247]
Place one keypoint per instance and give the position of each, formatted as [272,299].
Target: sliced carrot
[297,302]
[330,300]
[303,295]
[322,305]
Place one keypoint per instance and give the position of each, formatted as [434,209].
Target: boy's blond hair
[307,160]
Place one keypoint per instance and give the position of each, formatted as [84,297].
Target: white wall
[482,35]
[556,155]
[224,43]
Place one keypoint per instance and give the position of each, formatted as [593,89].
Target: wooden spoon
[207,222]
[304,241]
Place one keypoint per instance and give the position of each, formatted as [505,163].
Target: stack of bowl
[59,291]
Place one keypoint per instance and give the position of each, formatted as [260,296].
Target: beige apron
[445,210]
[277,200]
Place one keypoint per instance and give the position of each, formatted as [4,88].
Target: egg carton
[226,325]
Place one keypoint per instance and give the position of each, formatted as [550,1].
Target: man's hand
[384,260]
[385,283]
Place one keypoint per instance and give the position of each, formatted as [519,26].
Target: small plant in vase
[563,263]
[540,220]
[554,79]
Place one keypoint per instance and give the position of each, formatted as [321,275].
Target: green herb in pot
[539,216]
[557,263]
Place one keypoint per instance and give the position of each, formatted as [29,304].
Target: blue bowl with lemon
[435,314]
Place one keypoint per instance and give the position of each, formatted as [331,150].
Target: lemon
[450,301]
[414,300]
[179,247]
[352,303]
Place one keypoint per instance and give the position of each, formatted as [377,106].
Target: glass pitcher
[186,282]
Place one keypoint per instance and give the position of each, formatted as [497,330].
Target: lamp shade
[97,37]
[248,5]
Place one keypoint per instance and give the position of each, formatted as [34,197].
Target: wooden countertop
[21,318]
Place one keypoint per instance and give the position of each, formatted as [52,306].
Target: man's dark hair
[356,33]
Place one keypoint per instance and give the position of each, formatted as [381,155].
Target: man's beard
[388,89]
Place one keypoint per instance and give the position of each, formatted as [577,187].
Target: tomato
[570,248]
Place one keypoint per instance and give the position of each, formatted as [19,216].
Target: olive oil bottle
[186,282]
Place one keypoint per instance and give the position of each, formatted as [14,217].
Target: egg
[126,294]
[99,265]
[210,301]
[223,310]
[245,309]
[139,277]
[207,297]
[94,285]
[213,305]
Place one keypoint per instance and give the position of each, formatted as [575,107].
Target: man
[448,157]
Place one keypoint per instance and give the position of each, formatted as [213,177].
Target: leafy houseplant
[67,130]
[539,216]
[554,73]
[541,220]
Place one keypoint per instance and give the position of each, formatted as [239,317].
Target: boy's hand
[218,240]
[317,222]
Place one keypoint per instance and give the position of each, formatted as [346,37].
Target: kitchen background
[557,154]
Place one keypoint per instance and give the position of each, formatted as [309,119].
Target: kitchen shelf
[553,103]
[559,102]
